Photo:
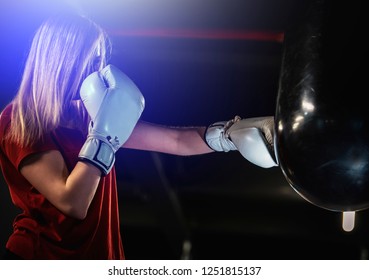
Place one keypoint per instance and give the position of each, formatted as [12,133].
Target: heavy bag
[322,126]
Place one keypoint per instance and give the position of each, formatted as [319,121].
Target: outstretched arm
[252,137]
[184,141]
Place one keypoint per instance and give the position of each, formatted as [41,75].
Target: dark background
[195,65]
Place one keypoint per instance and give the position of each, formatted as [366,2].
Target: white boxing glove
[253,138]
[114,104]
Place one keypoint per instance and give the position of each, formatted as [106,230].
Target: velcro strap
[98,152]
[216,138]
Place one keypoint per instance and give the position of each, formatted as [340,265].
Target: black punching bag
[322,115]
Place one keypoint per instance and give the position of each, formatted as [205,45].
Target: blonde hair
[64,51]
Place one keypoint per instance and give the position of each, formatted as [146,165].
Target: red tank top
[41,231]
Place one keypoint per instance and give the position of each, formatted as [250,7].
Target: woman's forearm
[171,140]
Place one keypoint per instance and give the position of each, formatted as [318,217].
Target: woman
[69,207]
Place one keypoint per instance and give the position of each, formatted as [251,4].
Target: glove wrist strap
[98,152]
[217,136]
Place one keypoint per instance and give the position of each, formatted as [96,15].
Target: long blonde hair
[64,51]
